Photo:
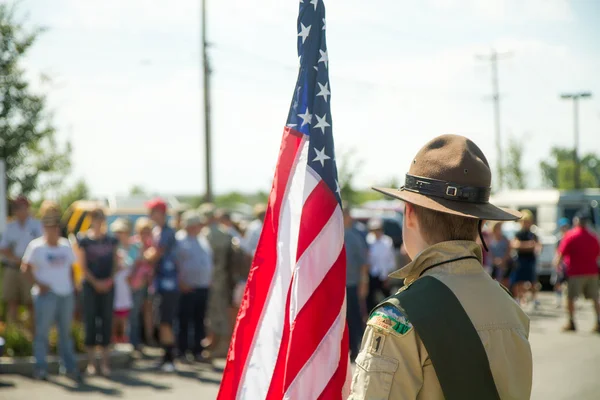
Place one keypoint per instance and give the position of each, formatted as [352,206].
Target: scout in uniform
[451,332]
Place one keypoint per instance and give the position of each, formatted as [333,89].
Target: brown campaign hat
[450,174]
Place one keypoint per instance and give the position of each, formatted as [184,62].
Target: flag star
[324,24]
[338,190]
[321,156]
[322,123]
[314,3]
[306,118]
[292,125]
[316,68]
[304,31]
[324,90]
[324,58]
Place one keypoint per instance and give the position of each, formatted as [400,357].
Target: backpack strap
[453,344]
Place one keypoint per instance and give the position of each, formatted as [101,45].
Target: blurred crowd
[179,285]
[154,283]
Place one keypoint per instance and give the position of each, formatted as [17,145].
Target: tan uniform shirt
[393,362]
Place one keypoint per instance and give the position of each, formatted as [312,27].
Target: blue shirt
[99,254]
[166,270]
[356,255]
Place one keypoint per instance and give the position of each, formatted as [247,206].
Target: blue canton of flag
[310,112]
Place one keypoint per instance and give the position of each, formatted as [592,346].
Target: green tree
[137,190]
[558,171]
[513,173]
[79,191]
[28,145]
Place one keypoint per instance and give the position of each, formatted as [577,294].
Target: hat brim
[468,210]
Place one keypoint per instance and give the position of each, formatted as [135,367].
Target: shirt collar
[440,252]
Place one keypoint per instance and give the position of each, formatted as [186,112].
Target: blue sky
[126,84]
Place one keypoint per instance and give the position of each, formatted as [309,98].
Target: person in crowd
[128,253]
[382,261]
[579,250]
[499,247]
[17,236]
[194,261]
[559,275]
[224,217]
[221,294]
[166,282]
[140,279]
[98,258]
[254,230]
[451,332]
[526,244]
[48,266]
[357,281]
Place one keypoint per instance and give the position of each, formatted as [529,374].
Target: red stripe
[316,318]
[261,273]
[316,212]
[335,386]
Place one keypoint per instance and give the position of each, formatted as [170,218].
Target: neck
[52,240]
[22,220]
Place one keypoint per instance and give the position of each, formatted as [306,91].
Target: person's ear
[410,216]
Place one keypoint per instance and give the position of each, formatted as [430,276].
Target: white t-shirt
[123,298]
[17,236]
[381,256]
[52,265]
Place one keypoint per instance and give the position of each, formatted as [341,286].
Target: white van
[548,206]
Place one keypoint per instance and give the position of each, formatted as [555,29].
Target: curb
[120,357]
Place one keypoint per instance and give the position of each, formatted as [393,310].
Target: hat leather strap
[447,190]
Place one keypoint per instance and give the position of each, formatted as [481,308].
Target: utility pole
[577,165]
[493,58]
[208,197]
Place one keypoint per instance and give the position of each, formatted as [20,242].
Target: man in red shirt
[579,250]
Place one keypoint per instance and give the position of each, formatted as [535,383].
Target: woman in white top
[48,263]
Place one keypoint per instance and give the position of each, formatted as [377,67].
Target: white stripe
[316,261]
[318,370]
[312,180]
[263,355]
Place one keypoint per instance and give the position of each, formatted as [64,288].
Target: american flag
[291,339]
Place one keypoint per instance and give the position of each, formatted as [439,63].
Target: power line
[493,59]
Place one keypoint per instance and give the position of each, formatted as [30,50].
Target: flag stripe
[268,338]
[315,320]
[336,384]
[261,273]
[318,208]
[317,372]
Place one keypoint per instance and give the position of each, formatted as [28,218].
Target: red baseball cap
[157,204]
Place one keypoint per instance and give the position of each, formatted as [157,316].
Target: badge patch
[377,342]
[390,319]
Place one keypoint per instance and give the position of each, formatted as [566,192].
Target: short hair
[143,223]
[97,214]
[437,227]
[50,213]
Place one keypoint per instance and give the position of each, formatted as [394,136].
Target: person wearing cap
[194,261]
[382,261]
[97,255]
[452,331]
[527,245]
[580,251]
[221,295]
[17,236]
[166,282]
[128,254]
[48,265]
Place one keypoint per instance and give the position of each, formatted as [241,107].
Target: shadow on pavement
[128,378]
[197,376]
[5,384]
[86,387]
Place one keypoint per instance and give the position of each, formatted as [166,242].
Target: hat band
[447,190]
